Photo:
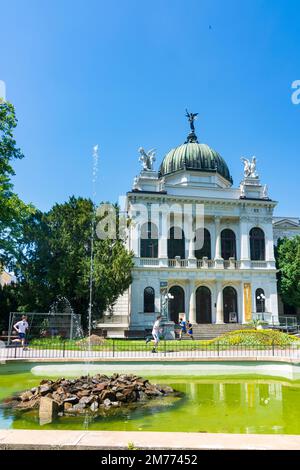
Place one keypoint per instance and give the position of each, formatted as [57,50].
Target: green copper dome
[194,156]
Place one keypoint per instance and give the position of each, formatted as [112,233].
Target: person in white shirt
[155,333]
[21,327]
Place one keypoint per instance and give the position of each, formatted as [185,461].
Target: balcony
[178,263]
[203,263]
[259,264]
[147,262]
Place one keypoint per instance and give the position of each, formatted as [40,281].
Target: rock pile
[93,340]
[93,394]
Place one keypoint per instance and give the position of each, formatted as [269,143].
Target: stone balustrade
[203,263]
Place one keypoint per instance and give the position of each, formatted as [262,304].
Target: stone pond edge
[13,439]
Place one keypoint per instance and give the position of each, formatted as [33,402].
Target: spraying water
[94,180]
[62,305]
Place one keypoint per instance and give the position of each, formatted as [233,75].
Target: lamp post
[167,297]
[261,297]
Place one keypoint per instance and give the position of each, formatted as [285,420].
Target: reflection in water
[227,404]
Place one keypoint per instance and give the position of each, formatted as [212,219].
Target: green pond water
[227,404]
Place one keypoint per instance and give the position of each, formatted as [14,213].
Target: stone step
[210,331]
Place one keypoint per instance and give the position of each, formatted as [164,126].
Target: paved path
[114,440]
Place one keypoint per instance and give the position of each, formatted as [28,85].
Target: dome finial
[191,118]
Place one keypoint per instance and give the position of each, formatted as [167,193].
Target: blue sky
[122,73]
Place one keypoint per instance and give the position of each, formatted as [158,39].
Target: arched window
[257,244]
[202,238]
[260,300]
[203,305]
[228,244]
[230,305]
[176,243]
[149,298]
[176,305]
[149,240]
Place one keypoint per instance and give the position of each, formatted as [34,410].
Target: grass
[261,339]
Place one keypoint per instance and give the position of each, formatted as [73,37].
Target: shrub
[256,338]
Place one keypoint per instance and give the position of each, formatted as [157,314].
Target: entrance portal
[230,306]
[203,305]
[176,305]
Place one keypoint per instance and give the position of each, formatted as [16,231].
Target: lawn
[260,339]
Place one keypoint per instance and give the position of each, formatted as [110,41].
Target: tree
[288,263]
[54,259]
[13,212]
[8,303]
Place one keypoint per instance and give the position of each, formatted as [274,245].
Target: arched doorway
[228,244]
[176,305]
[260,300]
[203,305]
[176,243]
[230,305]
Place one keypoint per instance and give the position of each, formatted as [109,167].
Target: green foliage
[131,446]
[251,338]
[8,303]
[8,149]
[50,252]
[13,212]
[255,323]
[55,260]
[288,263]
[255,338]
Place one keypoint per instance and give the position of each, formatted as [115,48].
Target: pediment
[286,223]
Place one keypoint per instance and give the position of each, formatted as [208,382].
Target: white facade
[239,209]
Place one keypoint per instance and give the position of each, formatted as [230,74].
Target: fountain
[61,305]
[93,223]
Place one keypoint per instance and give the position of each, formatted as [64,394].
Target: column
[244,240]
[192,306]
[272,300]
[135,240]
[219,312]
[269,242]
[218,256]
[190,233]
[163,240]
[192,261]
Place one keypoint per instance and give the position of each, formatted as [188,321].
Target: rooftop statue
[135,183]
[242,188]
[249,168]
[191,138]
[147,158]
[191,118]
[265,192]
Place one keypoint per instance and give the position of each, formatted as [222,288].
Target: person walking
[190,330]
[182,324]
[155,333]
[21,327]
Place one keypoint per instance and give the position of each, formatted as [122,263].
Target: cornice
[162,198]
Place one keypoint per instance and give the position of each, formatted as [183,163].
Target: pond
[215,404]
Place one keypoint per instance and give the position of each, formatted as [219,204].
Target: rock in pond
[88,394]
